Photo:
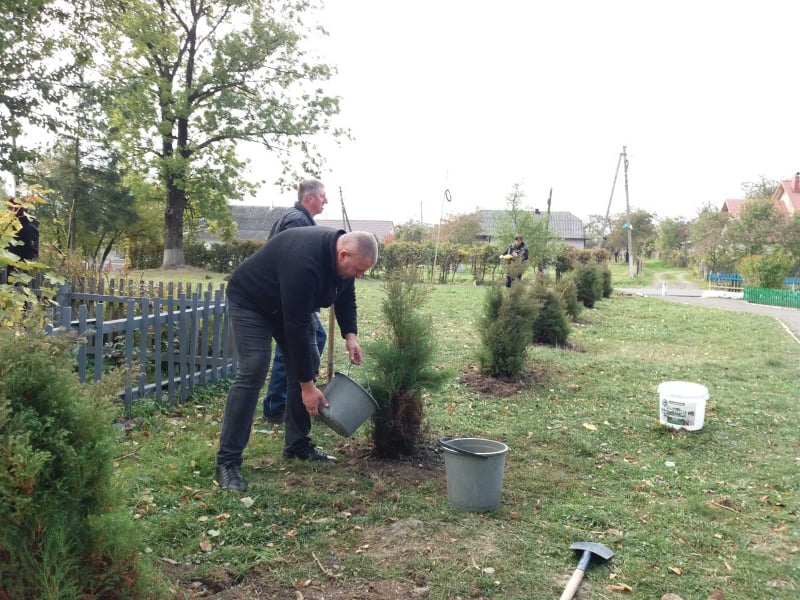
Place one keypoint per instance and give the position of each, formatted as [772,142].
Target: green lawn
[685,512]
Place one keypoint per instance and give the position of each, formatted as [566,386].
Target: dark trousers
[275,400]
[252,336]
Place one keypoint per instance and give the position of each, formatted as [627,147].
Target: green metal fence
[787,298]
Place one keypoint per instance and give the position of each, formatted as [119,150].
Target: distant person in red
[26,245]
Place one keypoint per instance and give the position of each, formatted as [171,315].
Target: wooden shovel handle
[572,585]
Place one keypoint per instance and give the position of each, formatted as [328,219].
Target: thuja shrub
[402,368]
[549,321]
[605,280]
[505,330]
[62,534]
[568,294]
[588,284]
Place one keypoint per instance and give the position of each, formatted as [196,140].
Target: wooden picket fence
[168,337]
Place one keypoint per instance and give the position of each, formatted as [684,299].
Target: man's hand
[353,349]
[312,397]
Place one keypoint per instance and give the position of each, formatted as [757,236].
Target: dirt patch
[427,463]
[501,387]
[224,585]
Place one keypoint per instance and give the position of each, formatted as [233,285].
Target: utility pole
[602,240]
[449,198]
[628,211]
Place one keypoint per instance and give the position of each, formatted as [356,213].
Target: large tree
[88,207]
[709,235]
[642,231]
[34,59]
[197,77]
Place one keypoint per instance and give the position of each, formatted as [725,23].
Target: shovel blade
[596,549]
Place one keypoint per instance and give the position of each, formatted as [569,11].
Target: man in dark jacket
[273,294]
[311,201]
[26,245]
[516,252]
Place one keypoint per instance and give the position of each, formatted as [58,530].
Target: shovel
[588,549]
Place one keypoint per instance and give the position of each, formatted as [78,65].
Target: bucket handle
[445,441]
[369,389]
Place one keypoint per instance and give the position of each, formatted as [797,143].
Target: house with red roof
[786,199]
[787,196]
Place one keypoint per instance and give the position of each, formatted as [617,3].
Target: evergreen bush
[588,284]
[61,533]
[505,330]
[605,280]
[402,365]
[550,323]
[568,293]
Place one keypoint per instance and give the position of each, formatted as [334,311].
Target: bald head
[356,253]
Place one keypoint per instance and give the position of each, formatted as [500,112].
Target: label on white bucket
[678,414]
[682,404]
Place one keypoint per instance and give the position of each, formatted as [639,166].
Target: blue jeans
[252,335]
[275,400]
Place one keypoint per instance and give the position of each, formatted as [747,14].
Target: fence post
[63,311]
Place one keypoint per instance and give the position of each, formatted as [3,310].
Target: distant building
[380,229]
[562,223]
[255,223]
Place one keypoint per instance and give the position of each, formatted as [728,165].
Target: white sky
[475,96]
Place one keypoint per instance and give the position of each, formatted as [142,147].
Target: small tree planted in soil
[402,369]
[549,321]
[589,284]
[505,330]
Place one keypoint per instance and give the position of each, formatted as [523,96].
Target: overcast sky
[476,96]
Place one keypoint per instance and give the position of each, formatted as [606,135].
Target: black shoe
[229,478]
[309,453]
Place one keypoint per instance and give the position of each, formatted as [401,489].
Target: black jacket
[297,216]
[522,251]
[286,279]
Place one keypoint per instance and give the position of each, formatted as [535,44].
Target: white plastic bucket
[682,404]
[475,483]
[350,405]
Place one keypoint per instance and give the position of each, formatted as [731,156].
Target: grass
[686,513]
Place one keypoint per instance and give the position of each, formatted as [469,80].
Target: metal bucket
[350,405]
[475,483]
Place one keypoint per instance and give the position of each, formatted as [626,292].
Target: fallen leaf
[590,427]
[671,597]
[247,501]
[676,570]
[202,518]
[488,570]
[716,595]
[213,532]
[206,546]
[619,587]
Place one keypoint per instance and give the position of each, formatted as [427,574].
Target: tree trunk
[173,226]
